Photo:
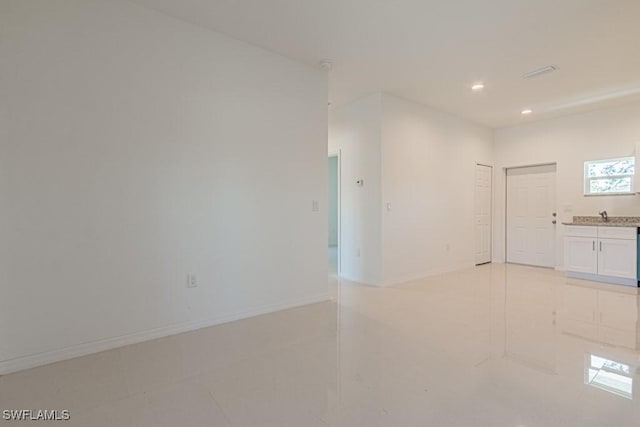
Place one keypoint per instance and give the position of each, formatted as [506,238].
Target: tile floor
[496,345]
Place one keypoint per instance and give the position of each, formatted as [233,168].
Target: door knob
[554,214]
[553,222]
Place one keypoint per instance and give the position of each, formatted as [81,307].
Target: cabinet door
[580,254]
[617,258]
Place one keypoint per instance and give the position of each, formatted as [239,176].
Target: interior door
[483,214]
[531,220]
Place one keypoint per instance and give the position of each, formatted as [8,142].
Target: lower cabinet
[606,254]
[617,258]
[580,254]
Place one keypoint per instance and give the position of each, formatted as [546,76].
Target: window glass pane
[612,167]
[610,185]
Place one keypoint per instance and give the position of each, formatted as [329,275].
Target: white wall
[332,206]
[422,162]
[135,148]
[428,172]
[568,141]
[355,130]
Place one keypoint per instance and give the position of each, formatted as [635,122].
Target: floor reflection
[496,345]
[603,313]
[518,345]
[608,375]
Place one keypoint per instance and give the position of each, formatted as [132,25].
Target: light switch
[388,207]
[192,280]
[315,206]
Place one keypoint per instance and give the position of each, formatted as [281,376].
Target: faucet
[604,216]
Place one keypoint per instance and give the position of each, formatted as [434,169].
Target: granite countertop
[614,221]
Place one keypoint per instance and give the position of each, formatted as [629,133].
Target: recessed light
[477,86]
[526,111]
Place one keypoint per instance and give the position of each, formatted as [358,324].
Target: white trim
[484,164]
[34,360]
[605,279]
[414,277]
[338,153]
[357,281]
[491,214]
[529,165]
[461,266]
[631,193]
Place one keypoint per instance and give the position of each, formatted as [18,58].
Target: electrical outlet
[192,280]
[315,206]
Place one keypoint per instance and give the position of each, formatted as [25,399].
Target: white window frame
[588,179]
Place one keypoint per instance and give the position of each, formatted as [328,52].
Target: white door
[617,258]
[531,209]
[580,254]
[483,213]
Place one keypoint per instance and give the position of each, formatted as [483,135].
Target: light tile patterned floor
[496,345]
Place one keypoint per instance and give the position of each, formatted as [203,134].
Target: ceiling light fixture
[477,87]
[526,111]
[539,72]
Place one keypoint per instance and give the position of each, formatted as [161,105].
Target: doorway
[482,213]
[333,207]
[531,215]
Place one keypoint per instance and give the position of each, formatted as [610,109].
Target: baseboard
[355,280]
[426,274]
[603,279]
[45,358]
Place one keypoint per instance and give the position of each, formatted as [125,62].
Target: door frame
[338,153]
[505,170]
[491,210]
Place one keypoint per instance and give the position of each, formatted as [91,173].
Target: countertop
[614,221]
[604,224]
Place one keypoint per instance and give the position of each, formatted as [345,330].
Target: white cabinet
[581,255]
[617,258]
[606,254]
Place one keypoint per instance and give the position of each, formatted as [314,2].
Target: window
[612,176]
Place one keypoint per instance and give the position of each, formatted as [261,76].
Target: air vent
[539,72]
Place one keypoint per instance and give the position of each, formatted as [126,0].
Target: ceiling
[433,51]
